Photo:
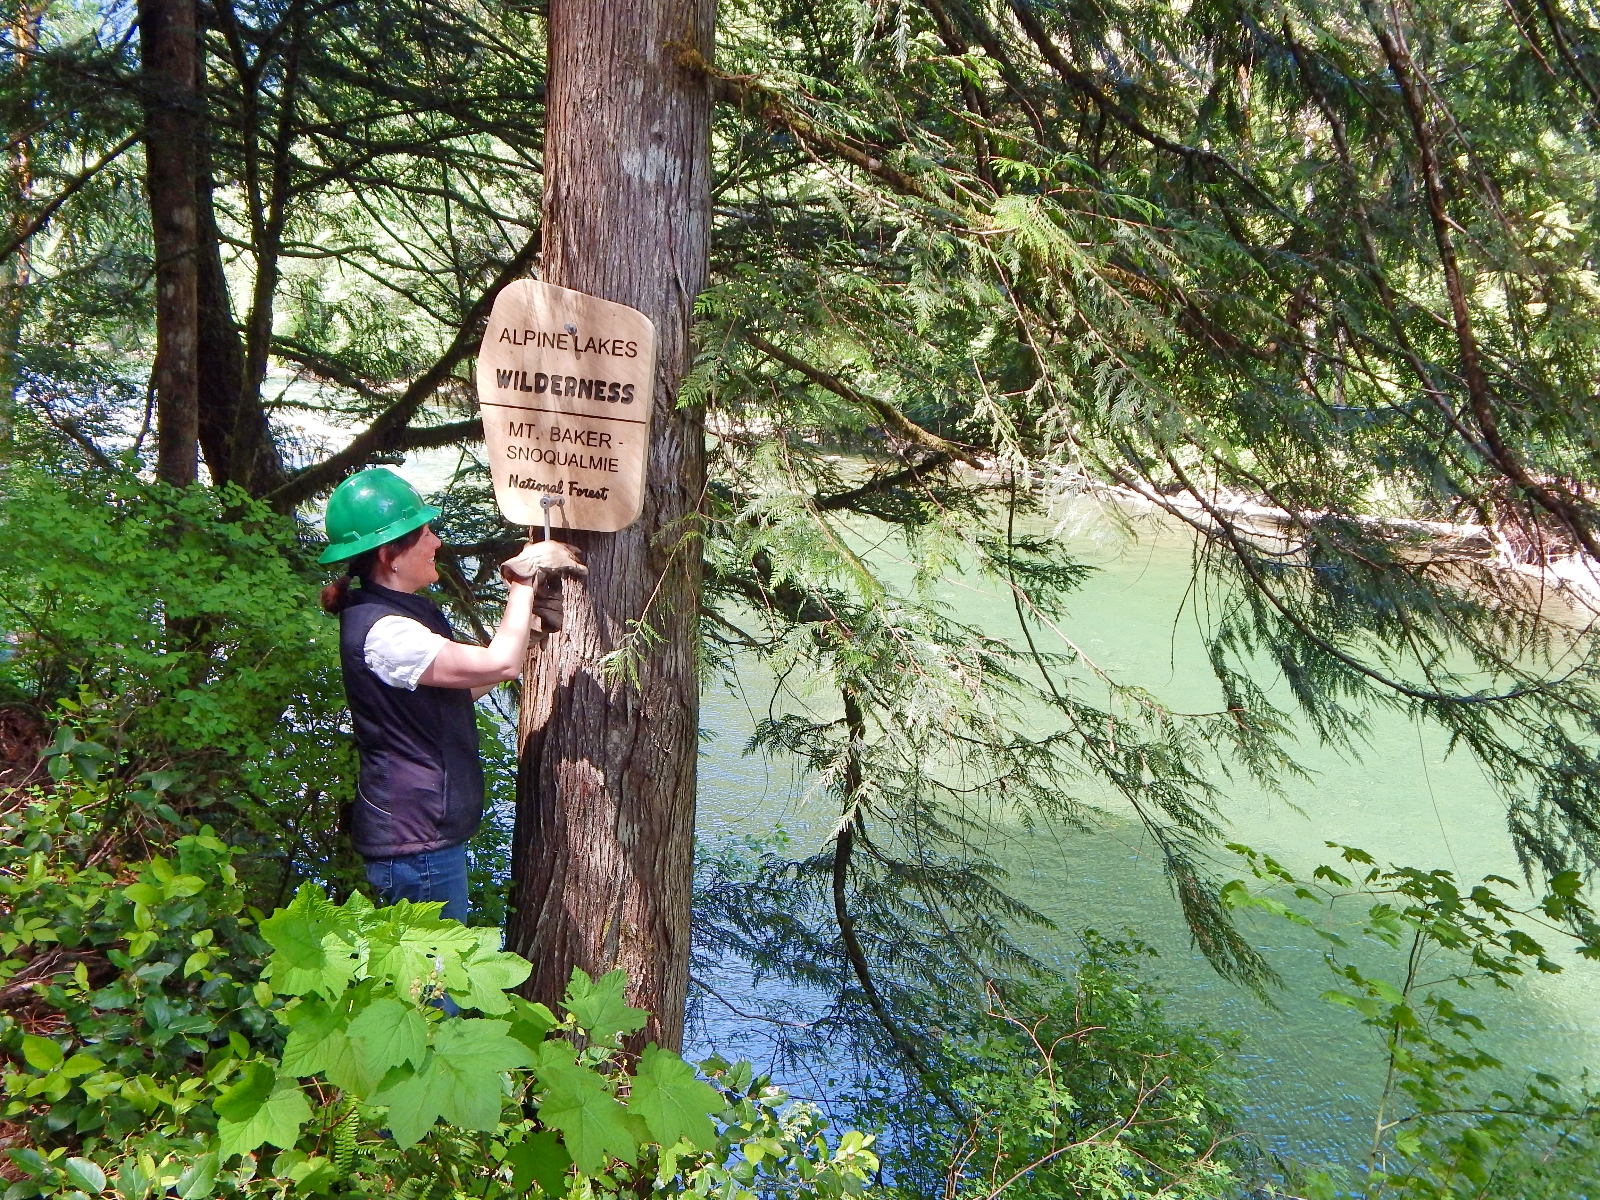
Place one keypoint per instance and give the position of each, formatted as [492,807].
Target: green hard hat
[369,509]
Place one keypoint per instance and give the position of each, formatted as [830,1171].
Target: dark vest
[421,782]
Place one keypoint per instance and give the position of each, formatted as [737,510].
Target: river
[1311,1072]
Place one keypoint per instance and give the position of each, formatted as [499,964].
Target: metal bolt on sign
[547,502]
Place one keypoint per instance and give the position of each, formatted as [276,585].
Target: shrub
[150,1050]
[1452,1120]
[178,629]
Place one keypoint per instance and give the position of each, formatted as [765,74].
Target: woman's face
[413,569]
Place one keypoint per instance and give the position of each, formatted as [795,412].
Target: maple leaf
[276,1119]
[405,944]
[530,1022]
[384,1035]
[309,953]
[540,1158]
[599,1006]
[468,1058]
[317,1043]
[412,1102]
[673,1102]
[480,978]
[576,1102]
[247,1093]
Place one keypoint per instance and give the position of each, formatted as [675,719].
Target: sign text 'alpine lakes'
[539,340]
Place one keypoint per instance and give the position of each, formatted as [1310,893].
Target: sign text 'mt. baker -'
[564,384]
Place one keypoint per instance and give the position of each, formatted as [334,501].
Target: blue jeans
[433,875]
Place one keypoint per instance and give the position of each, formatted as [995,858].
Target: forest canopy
[1315,283]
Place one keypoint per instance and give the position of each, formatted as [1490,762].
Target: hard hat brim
[342,551]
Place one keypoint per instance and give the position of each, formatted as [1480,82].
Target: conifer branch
[881,484]
[74,185]
[892,418]
[746,91]
[1479,392]
[393,422]
[843,846]
[1118,111]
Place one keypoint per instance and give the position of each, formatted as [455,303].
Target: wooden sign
[564,384]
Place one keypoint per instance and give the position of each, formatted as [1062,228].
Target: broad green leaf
[667,1160]
[277,1121]
[200,1180]
[41,1052]
[81,1064]
[599,1006]
[295,933]
[541,1159]
[530,1022]
[309,955]
[29,1159]
[310,1176]
[184,885]
[469,1055]
[248,1093]
[143,893]
[576,1102]
[481,977]
[85,1176]
[413,1103]
[387,1034]
[405,944]
[317,1040]
[673,1102]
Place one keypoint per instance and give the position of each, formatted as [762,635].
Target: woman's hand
[548,558]
[534,579]
[545,565]
[548,604]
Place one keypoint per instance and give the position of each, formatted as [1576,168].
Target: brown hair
[336,596]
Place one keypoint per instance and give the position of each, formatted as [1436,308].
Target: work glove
[545,565]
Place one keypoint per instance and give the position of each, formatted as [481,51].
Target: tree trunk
[219,351]
[602,858]
[167,46]
[14,270]
[221,359]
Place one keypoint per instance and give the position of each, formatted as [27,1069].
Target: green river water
[1312,1072]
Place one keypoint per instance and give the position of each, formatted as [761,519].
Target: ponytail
[336,596]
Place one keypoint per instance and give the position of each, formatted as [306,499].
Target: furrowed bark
[14,264]
[220,353]
[603,849]
[167,45]
[221,360]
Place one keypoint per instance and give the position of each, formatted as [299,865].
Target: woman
[411,685]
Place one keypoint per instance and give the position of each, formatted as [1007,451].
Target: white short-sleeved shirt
[398,650]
